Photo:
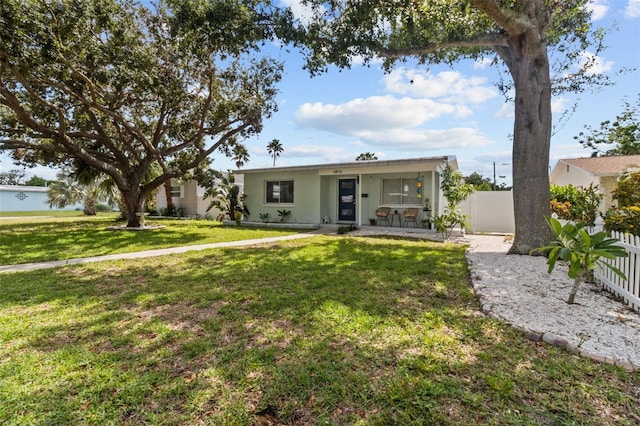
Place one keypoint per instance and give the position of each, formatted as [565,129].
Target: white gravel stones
[519,290]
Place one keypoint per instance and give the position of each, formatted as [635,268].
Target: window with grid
[176,191]
[400,191]
[280,191]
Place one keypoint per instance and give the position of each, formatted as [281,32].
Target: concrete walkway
[152,253]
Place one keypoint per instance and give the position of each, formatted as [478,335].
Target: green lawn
[28,240]
[330,330]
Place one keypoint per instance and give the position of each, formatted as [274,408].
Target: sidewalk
[152,253]
[325,229]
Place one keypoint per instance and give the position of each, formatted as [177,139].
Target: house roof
[451,159]
[604,166]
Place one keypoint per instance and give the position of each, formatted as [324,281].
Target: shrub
[284,215]
[345,229]
[623,219]
[583,252]
[264,217]
[626,216]
[576,204]
[455,191]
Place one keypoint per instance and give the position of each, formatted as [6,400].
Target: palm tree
[72,188]
[274,148]
[67,190]
[367,156]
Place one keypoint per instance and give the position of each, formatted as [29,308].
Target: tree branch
[510,21]
[484,40]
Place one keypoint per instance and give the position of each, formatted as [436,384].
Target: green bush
[576,204]
[623,219]
[626,216]
[345,229]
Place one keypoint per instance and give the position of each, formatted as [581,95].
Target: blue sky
[446,111]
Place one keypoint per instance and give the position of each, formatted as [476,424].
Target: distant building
[21,198]
[601,171]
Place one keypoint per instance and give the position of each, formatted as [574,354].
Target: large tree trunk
[167,194]
[527,60]
[134,203]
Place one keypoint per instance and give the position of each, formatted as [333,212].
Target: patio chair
[410,215]
[382,215]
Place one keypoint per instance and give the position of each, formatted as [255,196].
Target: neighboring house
[346,193]
[188,198]
[601,171]
[22,198]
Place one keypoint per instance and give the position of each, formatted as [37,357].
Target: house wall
[18,198]
[316,190]
[191,200]
[306,202]
[608,184]
[564,174]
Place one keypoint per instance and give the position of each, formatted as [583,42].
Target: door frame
[355,199]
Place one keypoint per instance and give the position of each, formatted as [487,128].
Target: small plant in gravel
[583,251]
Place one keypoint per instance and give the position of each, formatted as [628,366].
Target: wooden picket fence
[628,289]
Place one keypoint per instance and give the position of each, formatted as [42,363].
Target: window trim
[177,191]
[278,182]
[402,184]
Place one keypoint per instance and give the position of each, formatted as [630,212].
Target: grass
[332,330]
[50,213]
[59,238]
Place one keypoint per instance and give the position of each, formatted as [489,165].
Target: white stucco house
[188,197]
[601,171]
[346,193]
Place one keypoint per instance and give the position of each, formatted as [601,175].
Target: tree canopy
[514,34]
[620,137]
[366,156]
[139,94]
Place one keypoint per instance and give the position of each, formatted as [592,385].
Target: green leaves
[583,251]
[140,93]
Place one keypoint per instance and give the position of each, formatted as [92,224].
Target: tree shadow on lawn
[334,329]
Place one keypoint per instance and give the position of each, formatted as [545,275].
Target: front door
[347,200]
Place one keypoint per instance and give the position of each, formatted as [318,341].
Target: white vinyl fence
[490,211]
[628,289]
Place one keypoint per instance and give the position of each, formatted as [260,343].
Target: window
[400,191]
[280,191]
[176,191]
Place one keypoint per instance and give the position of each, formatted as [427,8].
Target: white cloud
[598,65]
[599,9]
[482,63]
[300,11]
[326,153]
[375,113]
[425,139]
[449,86]
[633,9]
[506,111]
[559,105]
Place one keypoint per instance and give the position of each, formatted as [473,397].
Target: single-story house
[188,198]
[601,171]
[346,193]
[22,198]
